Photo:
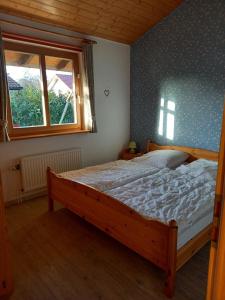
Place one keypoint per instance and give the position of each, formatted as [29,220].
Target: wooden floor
[59,256]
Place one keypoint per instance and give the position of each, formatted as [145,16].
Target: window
[44,89]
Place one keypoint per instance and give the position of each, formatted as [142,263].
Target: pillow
[200,166]
[201,162]
[163,158]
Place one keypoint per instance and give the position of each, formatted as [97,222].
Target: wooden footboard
[152,239]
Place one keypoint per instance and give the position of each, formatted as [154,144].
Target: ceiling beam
[24,59]
[62,64]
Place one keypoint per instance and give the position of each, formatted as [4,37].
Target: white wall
[111,70]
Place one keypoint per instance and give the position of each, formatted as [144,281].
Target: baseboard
[26,197]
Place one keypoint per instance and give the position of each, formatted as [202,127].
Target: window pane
[26,97]
[61,90]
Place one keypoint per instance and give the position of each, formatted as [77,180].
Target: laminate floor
[60,256]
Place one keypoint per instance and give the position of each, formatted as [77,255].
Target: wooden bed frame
[155,241]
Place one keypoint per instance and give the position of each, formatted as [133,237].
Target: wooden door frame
[218,290]
[6,281]
[216,273]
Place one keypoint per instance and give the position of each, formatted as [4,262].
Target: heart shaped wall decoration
[106,92]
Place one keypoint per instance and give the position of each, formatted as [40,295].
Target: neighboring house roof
[13,85]
[67,79]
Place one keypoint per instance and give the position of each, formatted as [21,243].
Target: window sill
[46,134]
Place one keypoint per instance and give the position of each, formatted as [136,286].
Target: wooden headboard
[195,153]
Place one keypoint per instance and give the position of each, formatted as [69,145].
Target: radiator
[33,168]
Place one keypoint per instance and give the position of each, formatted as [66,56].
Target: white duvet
[110,175]
[182,194]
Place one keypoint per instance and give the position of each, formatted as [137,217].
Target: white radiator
[33,168]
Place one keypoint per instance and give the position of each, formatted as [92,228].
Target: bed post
[148,146]
[172,259]
[50,200]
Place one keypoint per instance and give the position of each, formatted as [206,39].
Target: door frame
[6,280]
[216,271]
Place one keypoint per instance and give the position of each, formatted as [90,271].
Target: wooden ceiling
[118,20]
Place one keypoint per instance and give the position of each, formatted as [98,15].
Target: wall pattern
[182,59]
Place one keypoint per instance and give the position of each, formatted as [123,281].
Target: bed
[154,240]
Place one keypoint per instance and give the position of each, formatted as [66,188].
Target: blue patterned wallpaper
[182,60]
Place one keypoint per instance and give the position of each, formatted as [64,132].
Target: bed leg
[170,284]
[50,200]
[172,260]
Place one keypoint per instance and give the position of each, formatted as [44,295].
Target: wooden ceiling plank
[126,17]
[113,11]
[112,35]
[20,7]
[134,9]
[96,3]
[162,4]
[113,18]
[155,9]
[119,20]
[140,5]
[39,5]
[69,9]
[120,27]
[59,5]
[126,11]
[120,31]
[114,8]
[90,16]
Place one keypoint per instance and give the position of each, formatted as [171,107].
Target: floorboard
[60,256]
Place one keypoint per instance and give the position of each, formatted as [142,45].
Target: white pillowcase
[199,167]
[163,158]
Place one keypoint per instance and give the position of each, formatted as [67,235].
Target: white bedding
[187,234]
[163,158]
[185,194]
[110,175]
